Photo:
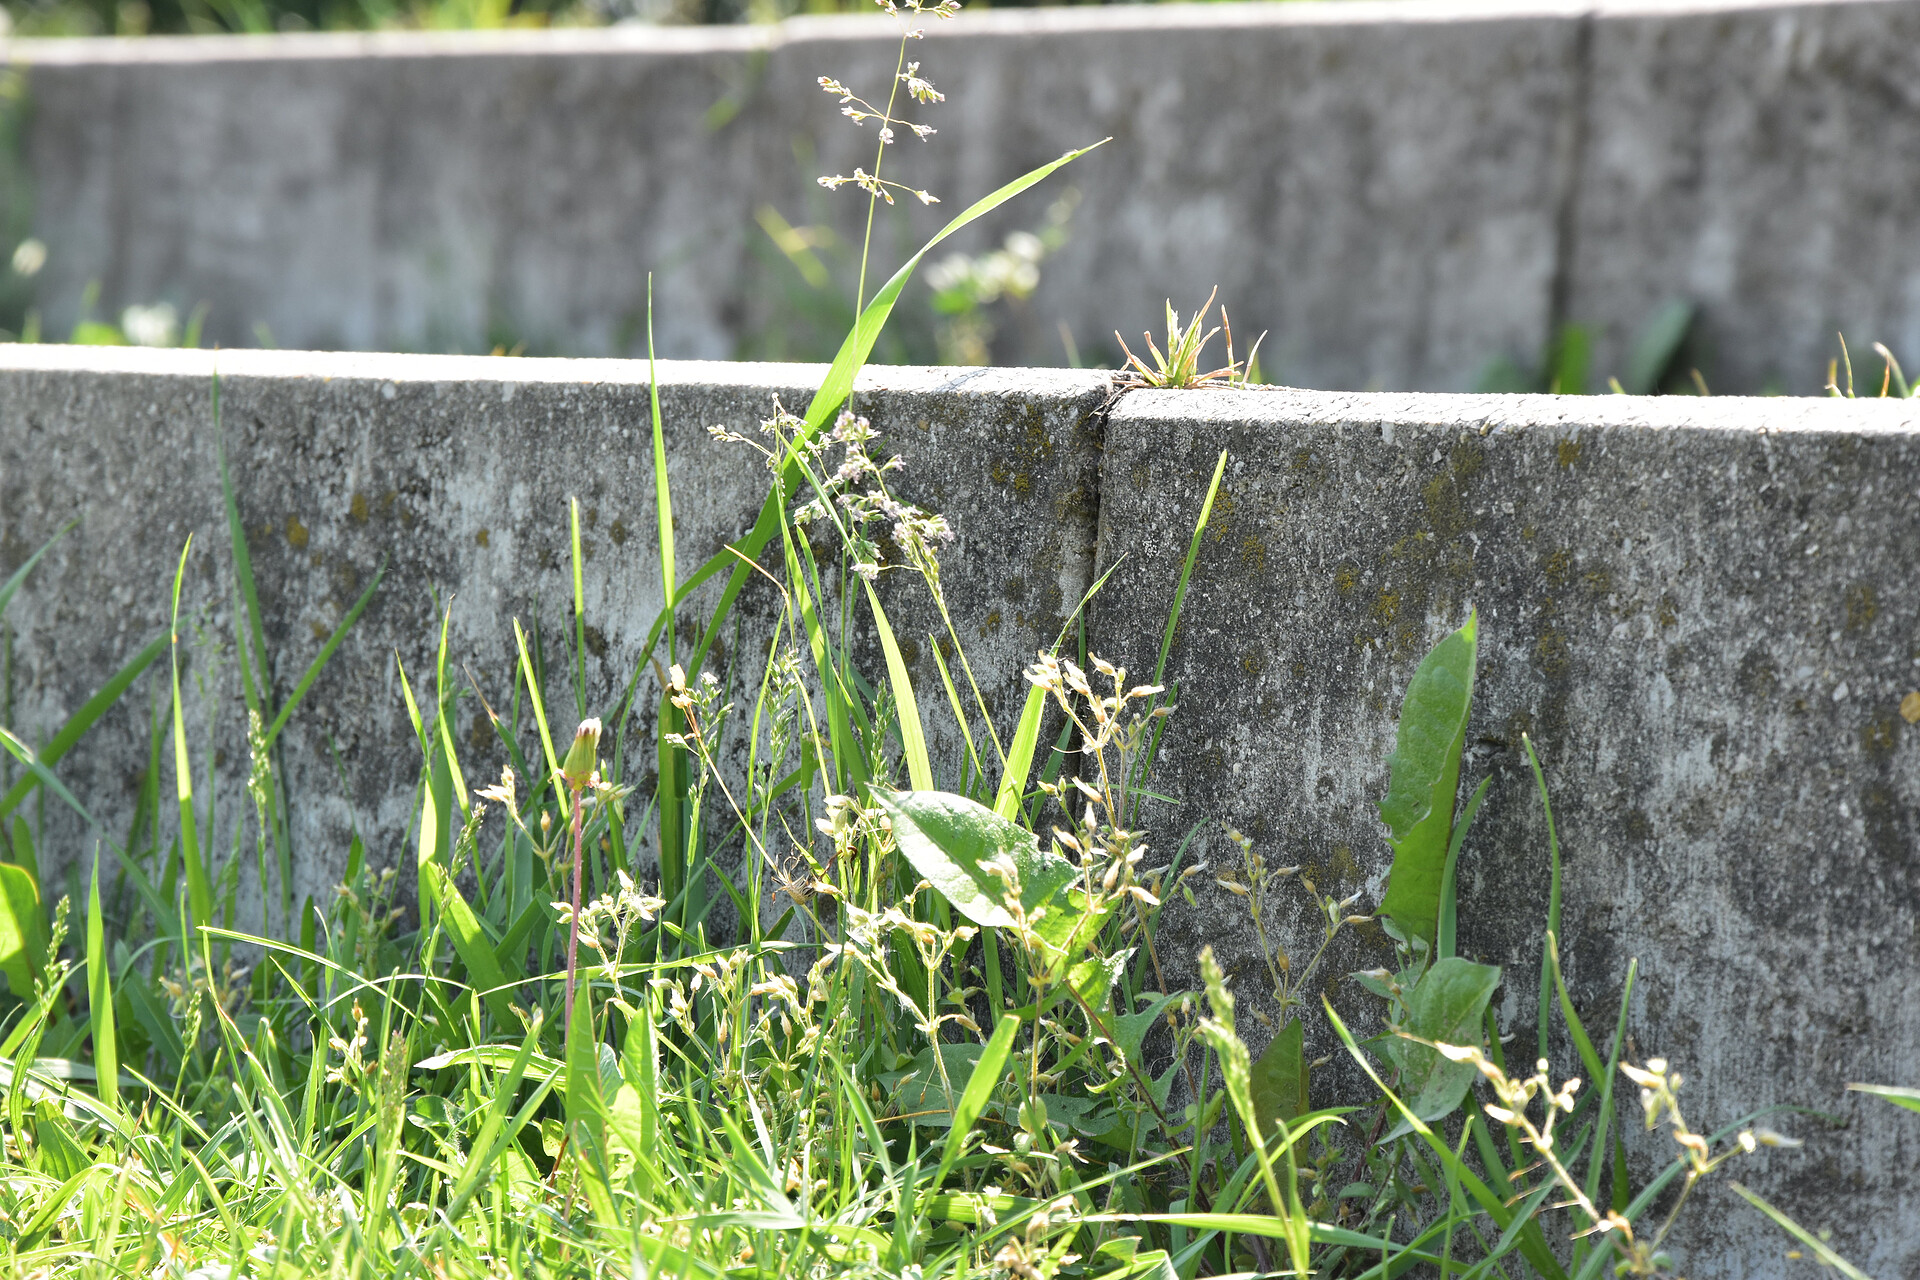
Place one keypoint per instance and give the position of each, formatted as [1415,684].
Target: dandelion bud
[581,759]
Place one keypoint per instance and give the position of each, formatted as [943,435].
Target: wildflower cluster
[906,76]
[1513,1106]
[1114,731]
[850,495]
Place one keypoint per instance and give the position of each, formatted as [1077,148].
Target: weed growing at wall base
[740,981]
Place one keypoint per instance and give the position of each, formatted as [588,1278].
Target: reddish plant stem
[573,928]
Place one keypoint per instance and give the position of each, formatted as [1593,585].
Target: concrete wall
[1400,192]
[455,472]
[1700,611]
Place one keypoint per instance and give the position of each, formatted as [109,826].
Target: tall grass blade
[579,609]
[199,887]
[1553,893]
[913,738]
[1026,737]
[1186,569]
[106,1044]
[320,659]
[1821,1250]
[838,385]
[539,705]
[662,491]
[973,1099]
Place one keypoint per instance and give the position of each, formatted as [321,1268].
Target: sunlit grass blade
[1186,570]
[662,491]
[471,944]
[538,703]
[958,709]
[1173,620]
[106,1052]
[973,1099]
[838,384]
[1026,738]
[579,607]
[913,738]
[199,887]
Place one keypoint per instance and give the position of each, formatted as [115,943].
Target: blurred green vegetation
[214,17]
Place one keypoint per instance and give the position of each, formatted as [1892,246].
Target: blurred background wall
[1400,195]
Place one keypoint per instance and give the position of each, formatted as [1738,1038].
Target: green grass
[933,1037]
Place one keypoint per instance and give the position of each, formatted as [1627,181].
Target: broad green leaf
[23,930]
[1425,772]
[1130,1030]
[950,840]
[1447,1005]
[922,1093]
[1280,1079]
[1069,928]
[1896,1094]
[1092,978]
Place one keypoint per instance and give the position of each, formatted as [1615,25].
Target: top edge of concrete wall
[644,38]
[1480,412]
[1487,413]
[410,368]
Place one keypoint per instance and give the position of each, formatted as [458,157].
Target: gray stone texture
[1377,184]
[1399,192]
[456,472]
[1700,611]
[1740,157]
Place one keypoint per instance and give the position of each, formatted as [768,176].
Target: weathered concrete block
[1699,612]
[456,472]
[1696,608]
[1719,165]
[1378,184]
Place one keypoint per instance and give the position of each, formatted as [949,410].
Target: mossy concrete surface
[1701,613]
[455,473]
